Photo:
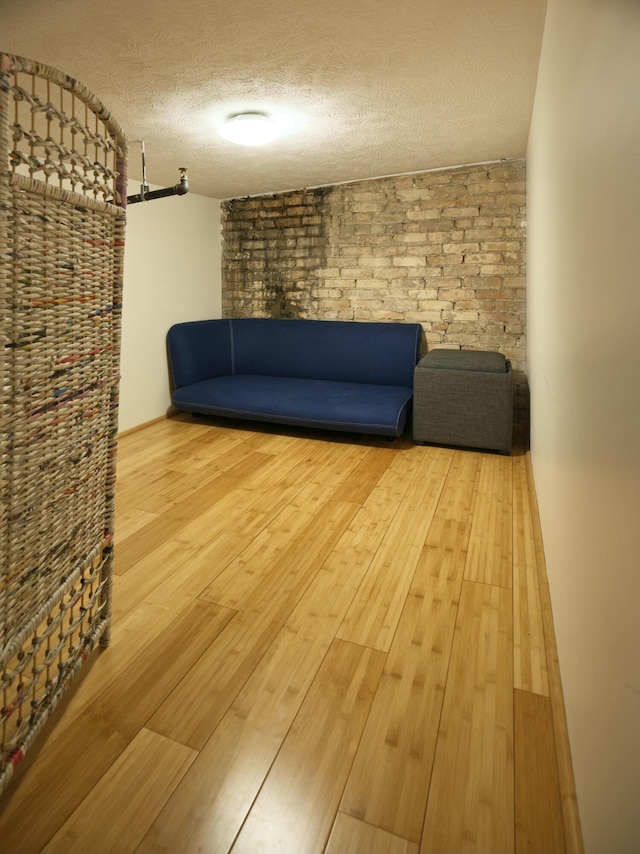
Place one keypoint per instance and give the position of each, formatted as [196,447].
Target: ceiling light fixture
[251,129]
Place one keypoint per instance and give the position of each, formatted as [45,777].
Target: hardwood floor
[321,643]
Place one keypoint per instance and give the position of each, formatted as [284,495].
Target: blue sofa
[330,374]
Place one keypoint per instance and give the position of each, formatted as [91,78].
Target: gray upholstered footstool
[463,397]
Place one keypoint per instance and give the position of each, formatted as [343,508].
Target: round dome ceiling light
[251,129]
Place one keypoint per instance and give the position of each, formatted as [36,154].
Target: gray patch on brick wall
[273,249]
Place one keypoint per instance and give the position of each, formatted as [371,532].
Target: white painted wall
[171,273]
[584,361]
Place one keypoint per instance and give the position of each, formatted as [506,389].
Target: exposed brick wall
[445,249]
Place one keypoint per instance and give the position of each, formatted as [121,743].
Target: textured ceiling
[378,87]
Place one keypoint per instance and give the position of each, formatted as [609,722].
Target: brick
[373,261]
[500,270]
[390,272]
[483,233]
[413,193]
[458,212]
[440,260]
[483,282]
[459,248]
[449,235]
[508,173]
[481,306]
[460,316]
[486,187]
[453,294]
[433,178]
[367,196]
[514,328]
[501,246]
[483,258]
[428,214]
[429,315]
[427,294]
[513,199]
[410,237]
[491,293]
[409,261]
[367,207]
[501,317]
[432,249]
[460,269]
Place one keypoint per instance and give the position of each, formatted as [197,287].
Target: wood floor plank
[211,489]
[258,499]
[234,585]
[471,799]
[159,563]
[209,807]
[368,528]
[140,629]
[352,836]
[529,654]
[157,445]
[272,490]
[169,523]
[149,497]
[389,782]
[117,812]
[140,543]
[374,615]
[219,451]
[172,459]
[365,476]
[538,809]
[490,547]
[130,521]
[297,804]
[135,694]
[222,671]
[199,571]
[40,801]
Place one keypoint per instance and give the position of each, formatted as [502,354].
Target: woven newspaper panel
[62,187]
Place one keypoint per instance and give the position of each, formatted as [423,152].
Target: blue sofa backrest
[349,351]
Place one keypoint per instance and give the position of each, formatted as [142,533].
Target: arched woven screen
[62,223]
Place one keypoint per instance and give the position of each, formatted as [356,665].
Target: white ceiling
[379,87]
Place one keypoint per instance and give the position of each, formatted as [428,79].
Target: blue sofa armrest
[199,350]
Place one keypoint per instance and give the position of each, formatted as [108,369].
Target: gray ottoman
[464,398]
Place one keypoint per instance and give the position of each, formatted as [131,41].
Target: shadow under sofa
[354,376]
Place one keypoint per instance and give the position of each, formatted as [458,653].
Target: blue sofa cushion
[377,409]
